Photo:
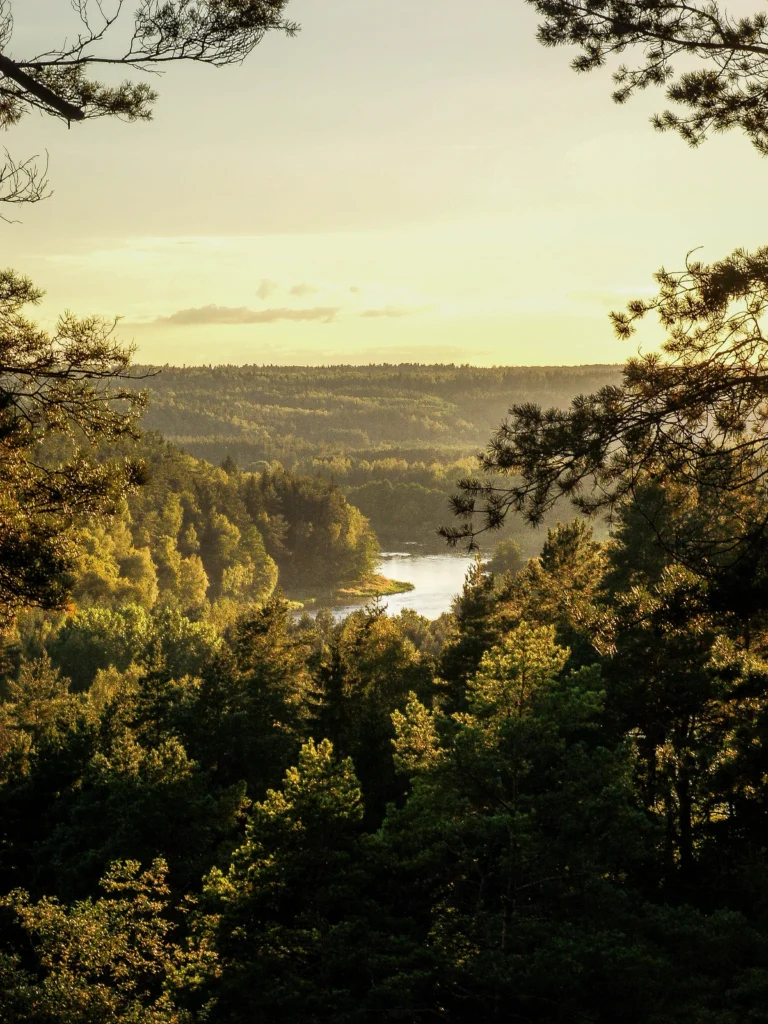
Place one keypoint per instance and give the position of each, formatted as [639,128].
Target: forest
[395,439]
[211,540]
[546,805]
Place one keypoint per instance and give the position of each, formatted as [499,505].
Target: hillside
[395,438]
[289,413]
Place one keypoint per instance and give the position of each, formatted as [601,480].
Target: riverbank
[376,586]
[427,584]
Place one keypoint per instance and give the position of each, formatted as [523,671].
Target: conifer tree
[288,915]
[723,84]
[61,81]
[683,438]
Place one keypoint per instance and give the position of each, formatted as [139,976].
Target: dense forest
[297,414]
[209,541]
[395,439]
[548,805]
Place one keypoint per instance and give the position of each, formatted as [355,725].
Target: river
[436,580]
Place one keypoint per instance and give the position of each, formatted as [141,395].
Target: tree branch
[12,70]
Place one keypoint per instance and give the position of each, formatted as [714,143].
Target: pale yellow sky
[399,182]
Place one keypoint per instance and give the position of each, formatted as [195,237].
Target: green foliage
[474,629]
[60,393]
[98,638]
[288,911]
[368,670]
[349,417]
[536,831]
[109,959]
[689,422]
[507,557]
[204,543]
[326,542]
[563,586]
[60,80]
[394,439]
[516,808]
[37,714]
[208,544]
[546,805]
[723,83]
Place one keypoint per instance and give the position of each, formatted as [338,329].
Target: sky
[401,182]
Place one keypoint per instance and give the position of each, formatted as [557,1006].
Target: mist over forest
[396,439]
[295,415]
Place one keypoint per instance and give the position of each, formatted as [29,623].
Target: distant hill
[298,413]
[396,439]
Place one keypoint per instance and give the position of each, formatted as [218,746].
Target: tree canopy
[683,436]
[60,394]
[723,83]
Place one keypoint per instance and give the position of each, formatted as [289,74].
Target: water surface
[436,580]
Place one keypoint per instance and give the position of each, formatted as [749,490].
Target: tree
[288,916]
[271,696]
[371,668]
[560,588]
[725,84]
[60,80]
[60,394]
[98,961]
[112,570]
[683,437]
[61,386]
[509,844]
[474,630]
[327,542]
[507,557]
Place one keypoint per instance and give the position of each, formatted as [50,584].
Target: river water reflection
[436,580]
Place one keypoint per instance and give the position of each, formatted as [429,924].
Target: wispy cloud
[213,314]
[304,288]
[395,311]
[266,288]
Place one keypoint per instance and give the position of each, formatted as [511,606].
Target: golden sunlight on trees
[683,438]
[60,394]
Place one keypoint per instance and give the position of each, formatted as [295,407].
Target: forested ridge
[209,540]
[394,438]
[547,804]
[299,413]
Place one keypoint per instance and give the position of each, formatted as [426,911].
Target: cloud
[197,316]
[267,288]
[395,311]
[213,314]
[303,288]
